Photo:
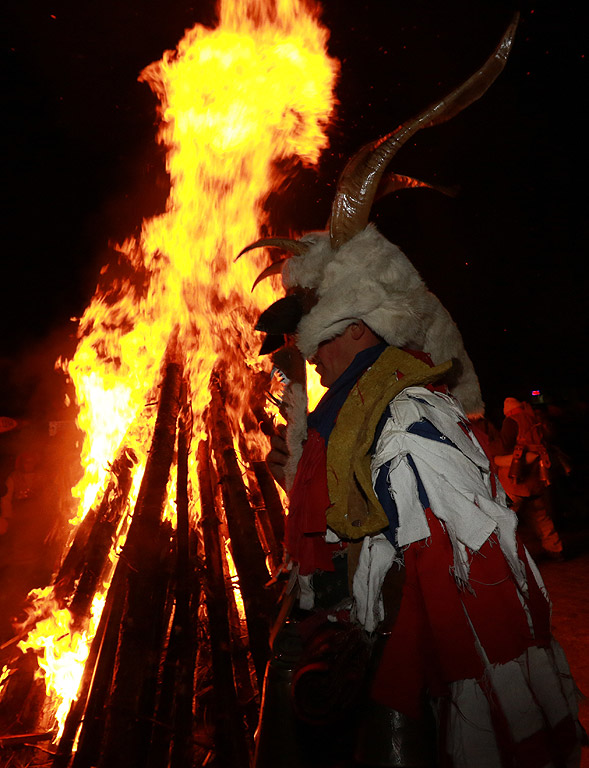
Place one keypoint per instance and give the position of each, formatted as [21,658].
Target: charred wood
[187,594]
[272,548]
[245,545]
[137,662]
[204,699]
[243,669]
[162,609]
[23,739]
[152,494]
[73,562]
[131,704]
[230,737]
[87,543]
[95,680]
[183,523]
[92,729]
[173,717]
[102,537]
[272,503]
[19,690]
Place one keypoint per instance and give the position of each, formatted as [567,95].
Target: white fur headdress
[353,273]
[370,279]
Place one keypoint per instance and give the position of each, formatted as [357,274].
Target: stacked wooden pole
[246,547]
[231,739]
[120,686]
[84,564]
[131,702]
[76,583]
[137,704]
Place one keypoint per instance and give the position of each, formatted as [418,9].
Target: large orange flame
[237,102]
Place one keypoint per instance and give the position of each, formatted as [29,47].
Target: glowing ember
[4,675]
[234,581]
[236,103]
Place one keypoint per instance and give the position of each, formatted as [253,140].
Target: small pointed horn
[359,181]
[287,244]
[281,317]
[394,182]
[274,269]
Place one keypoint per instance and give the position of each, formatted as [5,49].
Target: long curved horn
[286,243]
[274,269]
[359,181]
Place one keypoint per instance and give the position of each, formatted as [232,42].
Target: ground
[568,585]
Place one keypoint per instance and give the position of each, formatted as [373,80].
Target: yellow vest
[355,511]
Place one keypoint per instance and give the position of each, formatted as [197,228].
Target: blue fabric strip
[383,494]
[323,417]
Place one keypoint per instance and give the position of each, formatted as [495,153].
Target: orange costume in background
[522,460]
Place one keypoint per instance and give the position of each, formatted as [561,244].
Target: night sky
[506,256]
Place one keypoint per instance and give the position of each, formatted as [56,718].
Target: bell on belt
[518,464]
[545,469]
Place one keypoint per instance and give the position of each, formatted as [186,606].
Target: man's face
[333,357]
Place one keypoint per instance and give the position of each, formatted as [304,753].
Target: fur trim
[306,270]
[371,279]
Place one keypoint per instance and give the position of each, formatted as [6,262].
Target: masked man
[422,632]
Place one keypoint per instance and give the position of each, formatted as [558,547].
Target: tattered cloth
[326,491]
[502,685]
[473,630]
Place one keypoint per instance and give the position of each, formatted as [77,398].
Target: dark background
[506,256]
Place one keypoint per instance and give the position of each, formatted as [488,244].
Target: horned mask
[352,272]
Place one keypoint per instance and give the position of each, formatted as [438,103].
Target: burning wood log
[137,719]
[231,743]
[24,739]
[97,679]
[101,538]
[183,523]
[137,665]
[272,503]
[139,599]
[186,587]
[91,694]
[96,683]
[245,545]
[20,689]
[84,562]
[252,421]
[246,682]
[161,609]
[93,534]
[173,720]
[264,528]
[182,751]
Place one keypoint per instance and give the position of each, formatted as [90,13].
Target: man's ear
[357,330]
